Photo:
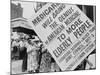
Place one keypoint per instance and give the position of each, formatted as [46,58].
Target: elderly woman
[32,51]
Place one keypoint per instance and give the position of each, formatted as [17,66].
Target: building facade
[16,11]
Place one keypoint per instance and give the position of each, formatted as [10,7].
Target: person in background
[15,49]
[23,54]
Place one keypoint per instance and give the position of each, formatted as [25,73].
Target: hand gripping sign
[67,33]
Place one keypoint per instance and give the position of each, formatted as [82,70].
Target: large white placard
[67,33]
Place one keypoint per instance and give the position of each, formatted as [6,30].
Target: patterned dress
[32,58]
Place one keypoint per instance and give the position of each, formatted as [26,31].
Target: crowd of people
[31,50]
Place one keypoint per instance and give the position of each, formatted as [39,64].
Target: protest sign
[67,33]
